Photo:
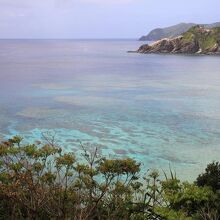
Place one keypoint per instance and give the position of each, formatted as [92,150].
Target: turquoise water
[158,109]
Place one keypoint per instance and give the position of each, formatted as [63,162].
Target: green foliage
[211,177]
[207,39]
[43,182]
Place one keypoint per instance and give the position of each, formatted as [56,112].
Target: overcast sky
[99,18]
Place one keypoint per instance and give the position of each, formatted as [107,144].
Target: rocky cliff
[198,40]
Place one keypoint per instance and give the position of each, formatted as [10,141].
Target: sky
[88,19]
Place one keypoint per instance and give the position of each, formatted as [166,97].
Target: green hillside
[206,38]
[173,31]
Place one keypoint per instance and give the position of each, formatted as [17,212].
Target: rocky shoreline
[197,40]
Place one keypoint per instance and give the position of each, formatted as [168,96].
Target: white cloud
[30,3]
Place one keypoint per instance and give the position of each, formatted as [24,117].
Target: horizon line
[69,39]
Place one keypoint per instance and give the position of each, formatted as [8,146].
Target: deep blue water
[158,109]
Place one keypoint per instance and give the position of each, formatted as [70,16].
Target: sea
[161,110]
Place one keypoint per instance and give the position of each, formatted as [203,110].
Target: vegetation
[206,38]
[40,181]
[173,31]
[197,40]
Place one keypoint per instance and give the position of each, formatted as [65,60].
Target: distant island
[197,40]
[173,31]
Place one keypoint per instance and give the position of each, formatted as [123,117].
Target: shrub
[43,182]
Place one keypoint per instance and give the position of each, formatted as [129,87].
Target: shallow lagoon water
[157,109]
